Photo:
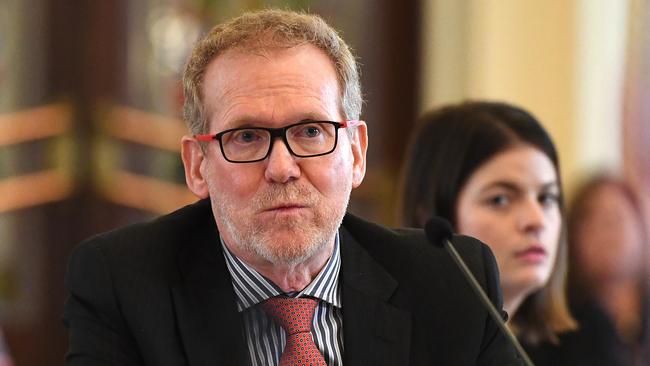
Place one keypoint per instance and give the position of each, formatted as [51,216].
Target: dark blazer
[159,294]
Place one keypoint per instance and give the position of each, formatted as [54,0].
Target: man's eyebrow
[245,121]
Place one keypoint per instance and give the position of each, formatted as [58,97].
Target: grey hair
[262,30]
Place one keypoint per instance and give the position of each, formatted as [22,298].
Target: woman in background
[492,171]
[608,287]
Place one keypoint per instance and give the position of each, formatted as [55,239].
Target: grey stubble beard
[257,241]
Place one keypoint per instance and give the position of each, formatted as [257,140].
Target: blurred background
[90,101]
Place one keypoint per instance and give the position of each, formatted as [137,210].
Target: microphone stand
[486,301]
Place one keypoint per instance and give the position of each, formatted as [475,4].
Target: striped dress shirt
[265,338]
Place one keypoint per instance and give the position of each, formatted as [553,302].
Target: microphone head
[437,230]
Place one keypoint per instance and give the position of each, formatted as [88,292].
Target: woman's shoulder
[595,342]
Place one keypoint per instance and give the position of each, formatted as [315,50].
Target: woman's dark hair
[449,145]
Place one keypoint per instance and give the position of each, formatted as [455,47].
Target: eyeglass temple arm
[350,123]
[205,138]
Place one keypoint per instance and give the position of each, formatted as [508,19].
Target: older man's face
[284,209]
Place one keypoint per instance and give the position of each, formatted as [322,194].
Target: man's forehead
[239,55]
[304,74]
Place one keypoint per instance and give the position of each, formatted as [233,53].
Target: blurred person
[609,288]
[491,170]
[5,355]
[268,259]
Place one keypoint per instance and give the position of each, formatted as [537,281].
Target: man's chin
[289,247]
[283,229]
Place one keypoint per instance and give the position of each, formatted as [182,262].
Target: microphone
[439,232]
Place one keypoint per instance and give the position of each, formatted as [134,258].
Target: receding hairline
[331,85]
[264,46]
[268,29]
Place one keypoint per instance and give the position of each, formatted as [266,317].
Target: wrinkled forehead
[270,51]
[300,78]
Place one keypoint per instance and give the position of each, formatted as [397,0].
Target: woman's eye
[548,199]
[498,200]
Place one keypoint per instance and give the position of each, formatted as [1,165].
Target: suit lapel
[375,332]
[207,317]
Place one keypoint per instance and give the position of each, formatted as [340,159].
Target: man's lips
[285,207]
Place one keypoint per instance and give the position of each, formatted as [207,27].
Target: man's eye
[246,136]
[311,131]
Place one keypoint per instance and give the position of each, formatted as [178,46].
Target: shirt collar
[252,288]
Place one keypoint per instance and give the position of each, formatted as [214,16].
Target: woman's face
[608,237]
[511,203]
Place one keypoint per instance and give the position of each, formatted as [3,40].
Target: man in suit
[267,268]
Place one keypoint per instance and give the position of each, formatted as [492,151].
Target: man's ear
[193,160]
[359,145]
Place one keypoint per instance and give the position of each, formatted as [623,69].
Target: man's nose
[281,165]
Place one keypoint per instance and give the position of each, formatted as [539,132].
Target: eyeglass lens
[304,139]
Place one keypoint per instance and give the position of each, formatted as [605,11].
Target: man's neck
[288,277]
[293,278]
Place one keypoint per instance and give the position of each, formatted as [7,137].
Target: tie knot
[293,314]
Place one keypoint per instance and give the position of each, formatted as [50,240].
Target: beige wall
[559,59]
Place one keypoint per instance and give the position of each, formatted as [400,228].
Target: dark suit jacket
[159,294]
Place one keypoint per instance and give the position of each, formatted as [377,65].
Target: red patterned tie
[295,316]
